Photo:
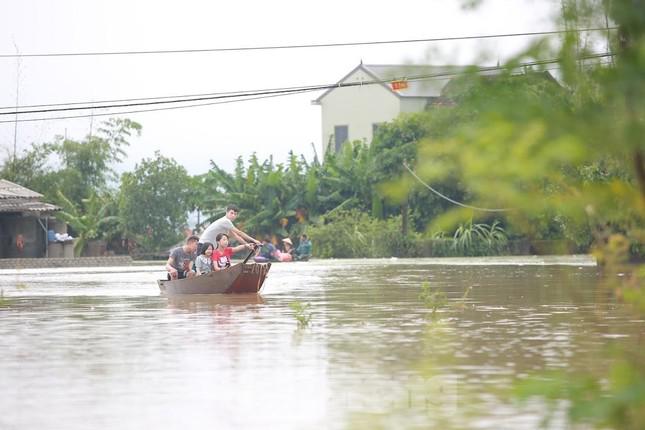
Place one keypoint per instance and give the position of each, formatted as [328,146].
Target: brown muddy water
[100,349]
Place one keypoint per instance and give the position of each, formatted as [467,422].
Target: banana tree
[88,221]
[269,195]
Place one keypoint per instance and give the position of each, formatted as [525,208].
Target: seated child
[222,255]
[204,262]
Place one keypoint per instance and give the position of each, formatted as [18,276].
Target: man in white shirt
[225,225]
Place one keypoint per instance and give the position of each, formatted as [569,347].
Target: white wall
[358,107]
[413,104]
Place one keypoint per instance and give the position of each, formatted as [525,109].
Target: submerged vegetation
[4,300]
[432,298]
[301,313]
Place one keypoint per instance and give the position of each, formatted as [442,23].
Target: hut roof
[16,198]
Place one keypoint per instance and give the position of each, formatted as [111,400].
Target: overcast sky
[220,133]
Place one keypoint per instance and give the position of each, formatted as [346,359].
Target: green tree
[30,168]
[78,168]
[154,202]
[396,144]
[87,165]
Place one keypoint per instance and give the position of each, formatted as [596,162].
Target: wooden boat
[240,278]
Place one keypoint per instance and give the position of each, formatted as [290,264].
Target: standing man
[225,225]
[181,259]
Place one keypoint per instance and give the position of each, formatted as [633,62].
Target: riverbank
[36,263]
[125,263]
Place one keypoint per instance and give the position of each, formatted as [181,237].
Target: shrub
[355,234]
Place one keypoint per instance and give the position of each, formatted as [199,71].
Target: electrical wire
[160,102]
[448,198]
[177,96]
[252,95]
[189,98]
[302,46]
[154,109]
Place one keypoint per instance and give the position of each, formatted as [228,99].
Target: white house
[354,112]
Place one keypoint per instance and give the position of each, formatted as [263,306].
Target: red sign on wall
[399,85]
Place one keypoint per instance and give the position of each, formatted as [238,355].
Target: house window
[375,127]
[341,133]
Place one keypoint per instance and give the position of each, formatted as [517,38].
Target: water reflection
[107,349]
[199,302]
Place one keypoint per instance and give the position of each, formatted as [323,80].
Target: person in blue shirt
[267,251]
[303,251]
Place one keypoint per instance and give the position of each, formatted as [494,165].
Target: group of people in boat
[211,251]
[269,252]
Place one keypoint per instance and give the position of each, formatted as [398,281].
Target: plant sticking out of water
[3,300]
[461,304]
[432,298]
[301,313]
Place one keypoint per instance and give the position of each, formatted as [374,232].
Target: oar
[255,247]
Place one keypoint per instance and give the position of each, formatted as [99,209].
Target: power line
[237,97]
[161,102]
[448,198]
[101,104]
[301,46]
[93,103]
[155,109]
[270,93]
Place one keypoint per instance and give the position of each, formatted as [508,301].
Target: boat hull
[241,278]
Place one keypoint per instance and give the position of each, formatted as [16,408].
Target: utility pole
[613,63]
[89,139]
[626,54]
[316,160]
[15,124]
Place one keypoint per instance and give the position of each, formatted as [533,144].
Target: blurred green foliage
[569,159]
[567,156]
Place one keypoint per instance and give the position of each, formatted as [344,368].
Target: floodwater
[100,349]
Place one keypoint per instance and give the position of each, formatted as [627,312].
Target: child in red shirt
[222,255]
